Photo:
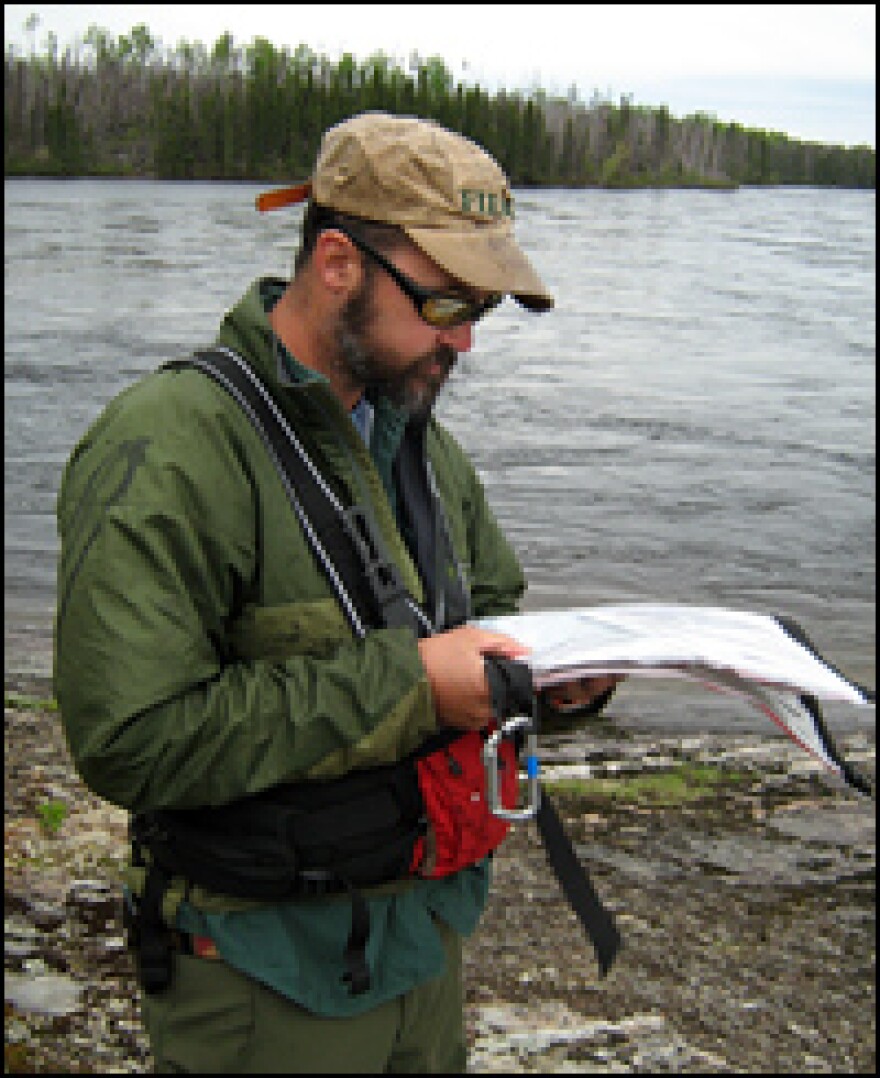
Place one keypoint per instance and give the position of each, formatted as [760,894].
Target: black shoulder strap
[344,540]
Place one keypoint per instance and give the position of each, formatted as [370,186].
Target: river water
[694,422]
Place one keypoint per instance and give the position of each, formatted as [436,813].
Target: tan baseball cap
[447,194]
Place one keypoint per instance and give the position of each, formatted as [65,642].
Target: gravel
[746,899]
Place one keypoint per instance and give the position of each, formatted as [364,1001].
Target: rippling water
[694,422]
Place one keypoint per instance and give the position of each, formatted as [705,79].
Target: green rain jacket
[201,655]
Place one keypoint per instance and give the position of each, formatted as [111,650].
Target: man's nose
[460,338]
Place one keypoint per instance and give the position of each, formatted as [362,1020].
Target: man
[206,662]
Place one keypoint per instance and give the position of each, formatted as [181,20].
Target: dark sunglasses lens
[443,312]
[446,311]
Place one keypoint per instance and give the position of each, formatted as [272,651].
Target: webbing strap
[512,693]
[357,971]
[576,885]
[344,539]
[851,775]
[154,950]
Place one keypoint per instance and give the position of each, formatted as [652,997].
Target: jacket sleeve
[157,541]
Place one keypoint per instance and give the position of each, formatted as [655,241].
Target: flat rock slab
[52,994]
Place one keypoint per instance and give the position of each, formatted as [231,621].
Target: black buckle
[314,882]
[385,583]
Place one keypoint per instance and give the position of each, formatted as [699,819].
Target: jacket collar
[246,329]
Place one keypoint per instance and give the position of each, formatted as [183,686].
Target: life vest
[427,815]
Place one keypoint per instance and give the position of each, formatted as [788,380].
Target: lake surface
[694,422]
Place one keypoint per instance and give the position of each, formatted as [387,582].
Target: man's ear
[337,263]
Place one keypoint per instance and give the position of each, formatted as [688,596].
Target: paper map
[766,660]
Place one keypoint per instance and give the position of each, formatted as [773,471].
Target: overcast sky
[808,70]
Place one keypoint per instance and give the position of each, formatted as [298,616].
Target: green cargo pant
[215,1020]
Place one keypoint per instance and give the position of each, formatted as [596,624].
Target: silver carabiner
[493,783]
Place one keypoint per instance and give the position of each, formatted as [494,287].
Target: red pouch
[462,830]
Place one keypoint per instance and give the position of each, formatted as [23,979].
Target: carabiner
[490,762]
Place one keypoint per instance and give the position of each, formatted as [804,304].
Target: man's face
[382,343]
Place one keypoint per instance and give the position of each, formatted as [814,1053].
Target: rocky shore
[742,878]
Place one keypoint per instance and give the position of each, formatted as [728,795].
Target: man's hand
[572,695]
[456,669]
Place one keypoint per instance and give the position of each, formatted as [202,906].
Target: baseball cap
[444,191]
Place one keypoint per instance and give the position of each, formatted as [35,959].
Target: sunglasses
[442,310]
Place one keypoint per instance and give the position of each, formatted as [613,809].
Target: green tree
[143,46]
[63,136]
[125,106]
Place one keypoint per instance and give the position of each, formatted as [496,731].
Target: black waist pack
[309,838]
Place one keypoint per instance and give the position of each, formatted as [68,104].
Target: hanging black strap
[576,885]
[850,774]
[154,953]
[512,694]
[357,971]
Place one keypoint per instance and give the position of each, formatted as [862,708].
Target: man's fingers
[455,665]
[499,644]
[582,691]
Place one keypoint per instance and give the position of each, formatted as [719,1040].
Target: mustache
[443,355]
[397,384]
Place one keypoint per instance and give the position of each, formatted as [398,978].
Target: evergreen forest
[126,107]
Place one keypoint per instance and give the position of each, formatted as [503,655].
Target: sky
[807,70]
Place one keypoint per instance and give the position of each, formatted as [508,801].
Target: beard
[414,387]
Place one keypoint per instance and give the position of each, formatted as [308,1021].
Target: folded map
[767,660]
